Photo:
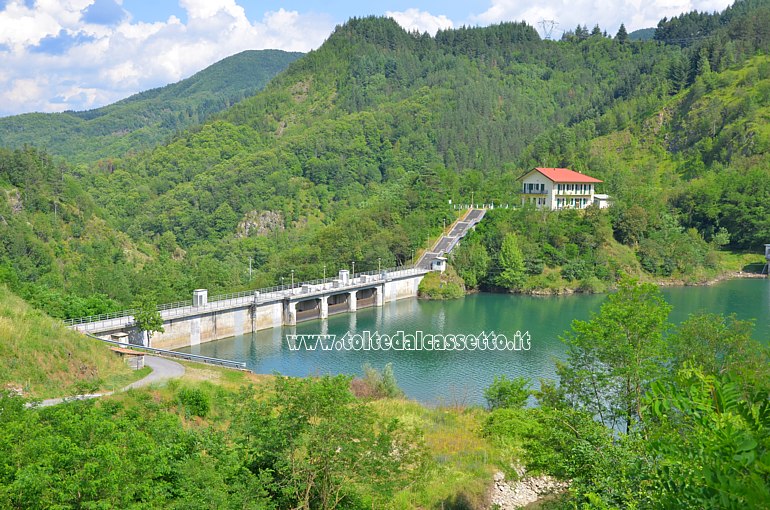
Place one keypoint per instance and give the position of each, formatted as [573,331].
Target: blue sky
[60,55]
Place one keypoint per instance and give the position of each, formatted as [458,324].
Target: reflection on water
[461,376]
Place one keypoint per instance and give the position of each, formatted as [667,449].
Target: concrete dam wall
[204,321]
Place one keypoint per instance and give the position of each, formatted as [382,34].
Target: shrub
[534,266]
[592,285]
[194,401]
[441,286]
[508,393]
[376,384]
[552,256]
[576,270]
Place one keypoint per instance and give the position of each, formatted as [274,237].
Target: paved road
[162,370]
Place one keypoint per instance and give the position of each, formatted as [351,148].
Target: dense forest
[354,152]
[149,118]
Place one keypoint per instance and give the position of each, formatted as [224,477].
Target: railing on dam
[175,354]
[257,296]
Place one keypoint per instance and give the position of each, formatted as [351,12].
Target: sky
[58,55]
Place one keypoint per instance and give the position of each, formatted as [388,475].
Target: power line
[548,25]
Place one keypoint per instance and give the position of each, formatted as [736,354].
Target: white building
[602,200]
[560,188]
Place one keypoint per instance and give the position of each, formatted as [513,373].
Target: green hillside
[354,152]
[148,118]
[42,358]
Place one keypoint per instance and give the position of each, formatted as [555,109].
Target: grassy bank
[41,358]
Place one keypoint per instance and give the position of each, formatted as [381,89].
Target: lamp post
[324,272]
[353,274]
[379,264]
[292,281]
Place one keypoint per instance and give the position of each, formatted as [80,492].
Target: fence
[174,354]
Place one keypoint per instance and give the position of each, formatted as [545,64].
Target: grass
[741,261]
[463,461]
[227,378]
[41,358]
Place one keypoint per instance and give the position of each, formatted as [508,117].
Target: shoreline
[727,275]
[567,291]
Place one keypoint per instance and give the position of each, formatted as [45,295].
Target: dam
[203,319]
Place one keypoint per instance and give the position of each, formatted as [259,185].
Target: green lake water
[435,377]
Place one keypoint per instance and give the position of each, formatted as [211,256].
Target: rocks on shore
[508,495]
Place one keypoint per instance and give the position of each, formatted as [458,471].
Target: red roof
[565,175]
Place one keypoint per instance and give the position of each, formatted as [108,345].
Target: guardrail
[171,310]
[175,354]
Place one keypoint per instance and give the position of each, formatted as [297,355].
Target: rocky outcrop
[260,223]
[14,199]
[508,495]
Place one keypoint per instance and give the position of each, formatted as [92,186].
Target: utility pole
[548,25]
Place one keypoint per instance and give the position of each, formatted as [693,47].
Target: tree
[631,225]
[614,356]
[710,443]
[507,393]
[147,318]
[511,262]
[472,262]
[622,35]
[720,345]
[327,449]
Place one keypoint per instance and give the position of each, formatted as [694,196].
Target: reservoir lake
[459,377]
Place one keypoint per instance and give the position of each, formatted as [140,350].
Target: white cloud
[635,14]
[52,60]
[421,21]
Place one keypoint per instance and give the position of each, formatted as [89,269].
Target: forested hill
[148,118]
[353,153]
